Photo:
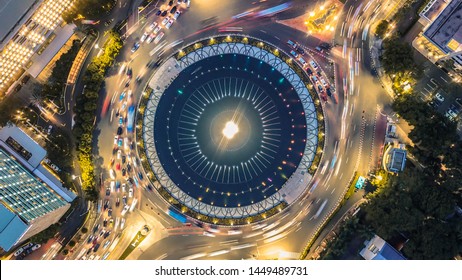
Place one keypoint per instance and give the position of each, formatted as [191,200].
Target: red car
[118,166]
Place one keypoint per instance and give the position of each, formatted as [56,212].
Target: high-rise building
[31,197]
[28,27]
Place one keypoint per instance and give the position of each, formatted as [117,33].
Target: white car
[124,188]
[112,186]
[176,15]
[112,174]
[169,23]
[122,224]
[165,21]
[150,38]
[144,37]
[130,192]
[36,246]
[18,252]
[119,154]
[106,244]
[116,138]
[124,211]
[439,97]
[152,26]
[159,37]
[323,82]
[313,64]
[157,29]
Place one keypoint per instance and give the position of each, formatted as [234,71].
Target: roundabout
[234,136]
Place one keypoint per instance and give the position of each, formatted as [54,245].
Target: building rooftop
[432,10]
[398,160]
[445,30]
[379,249]
[12,12]
[23,193]
[29,152]
[11,228]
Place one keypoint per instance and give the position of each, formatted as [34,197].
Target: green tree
[397,57]
[382,28]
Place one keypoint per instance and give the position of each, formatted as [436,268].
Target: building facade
[31,198]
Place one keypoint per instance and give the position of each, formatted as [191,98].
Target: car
[90,239]
[150,38]
[308,70]
[111,222]
[127,84]
[106,244]
[129,167]
[292,44]
[173,10]
[124,106]
[112,186]
[117,204]
[165,21]
[125,210]
[102,232]
[132,145]
[323,82]
[118,166]
[313,64]
[129,72]
[157,40]
[124,159]
[119,154]
[124,199]
[122,223]
[89,251]
[50,127]
[140,176]
[152,26]
[109,212]
[116,138]
[319,87]
[439,97]
[118,186]
[95,229]
[294,54]
[319,49]
[329,93]
[108,191]
[170,3]
[119,132]
[106,234]
[121,121]
[158,13]
[18,252]
[315,80]
[122,96]
[149,187]
[300,50]
[169,23]
[130,192]
[135,47]
[164,13]
[302,61]
[112,173]
[120,142]
[157,29]
[124,172]
[105,223]
[144,37]
[95,249]
[176,15]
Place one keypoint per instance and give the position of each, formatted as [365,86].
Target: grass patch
[133,244]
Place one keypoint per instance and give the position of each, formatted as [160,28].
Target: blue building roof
[12,228]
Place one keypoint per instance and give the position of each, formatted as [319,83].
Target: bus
[130,118]
[177,216]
